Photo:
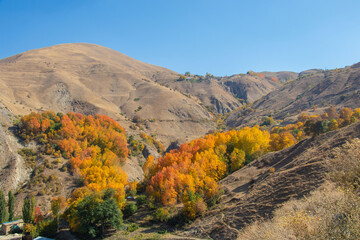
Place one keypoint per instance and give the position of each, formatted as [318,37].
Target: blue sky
[221,37]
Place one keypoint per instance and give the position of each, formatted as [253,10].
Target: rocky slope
[13,171]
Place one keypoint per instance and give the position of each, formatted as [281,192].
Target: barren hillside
[92,79]
[13,170]
[225,94]
[313,91]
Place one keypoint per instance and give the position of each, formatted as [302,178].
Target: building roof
[13,222]
[42,238]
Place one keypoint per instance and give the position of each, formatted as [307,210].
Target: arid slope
[313,91]
[92,79]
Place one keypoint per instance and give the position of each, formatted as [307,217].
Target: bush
[140,200]
[57,161]
[129,209]
[178,220]
[48,228]
[161,215]
[132,227]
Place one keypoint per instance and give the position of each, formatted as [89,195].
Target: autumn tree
[281,141]
[194,205]
[345,115]
[197,166]
[95,146]
[57,205]
[333,125]
[332,113]
[237,159]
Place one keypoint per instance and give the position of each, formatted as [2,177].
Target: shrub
[140,200]
[178,220]
[57,161]
[129,209]
[132,227]
[48,228]
[161,215]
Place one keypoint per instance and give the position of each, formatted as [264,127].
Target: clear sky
[222,37]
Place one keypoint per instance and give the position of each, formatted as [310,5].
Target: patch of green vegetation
[29,156]
[141,200]
[132,227]
[129,209]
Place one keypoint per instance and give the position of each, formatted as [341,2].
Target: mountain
[91,79]
[313,91]
[225,94]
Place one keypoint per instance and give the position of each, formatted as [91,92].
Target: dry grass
[330,212]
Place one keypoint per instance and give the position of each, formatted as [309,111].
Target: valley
[208,155]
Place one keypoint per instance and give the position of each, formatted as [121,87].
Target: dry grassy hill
[313,91]
[254,192]
[92,79]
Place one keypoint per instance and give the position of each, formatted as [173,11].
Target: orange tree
[190,174]
[95,145]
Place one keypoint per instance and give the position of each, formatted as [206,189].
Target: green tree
[129,209]
[2,207]
[11,205]
[32,208]
[98,212]
[28,209]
